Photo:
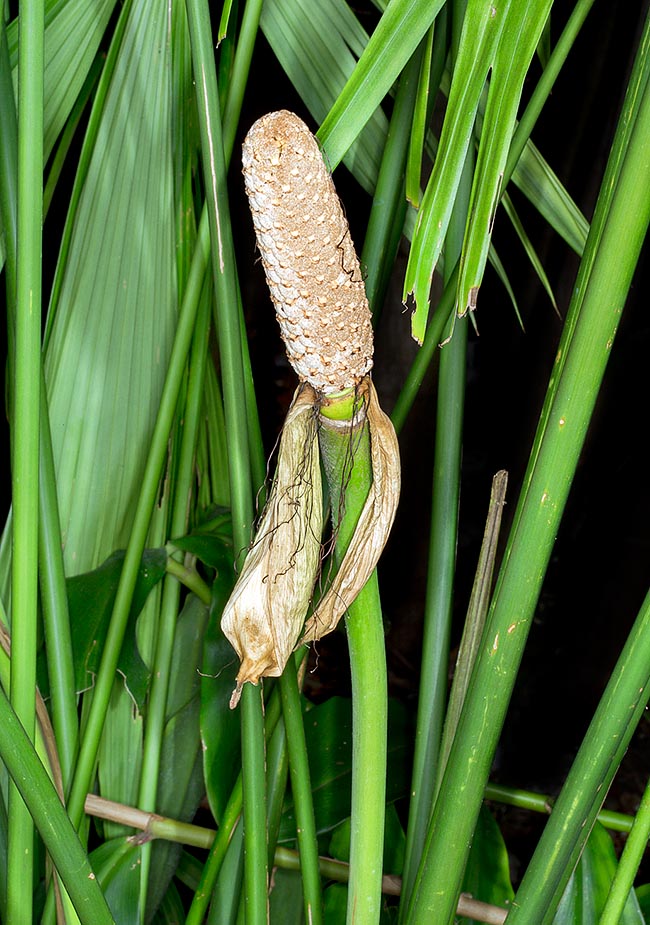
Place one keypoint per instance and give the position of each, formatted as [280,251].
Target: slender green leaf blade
[481,30]
[398,34]
[318,49]
[517,44]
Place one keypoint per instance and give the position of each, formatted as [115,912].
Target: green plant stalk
[171,590]
[441,568]
[224,271]
[217,853]
[231,350]
[234,98]
[234,95]
[185,833]
[542,803]
[52,822]
[439,596]
[25,424]
[8,166]
[54,601]
[190,578]
[253,763]
[238,78]
[54,606]
[613,724]
[476,614]
[225,832]
[346,457]
[276,785]
[622,215]
[436,326]
[161,673]
[277,776]
[628,864]
[302,793]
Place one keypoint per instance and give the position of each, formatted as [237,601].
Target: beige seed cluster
[311,266]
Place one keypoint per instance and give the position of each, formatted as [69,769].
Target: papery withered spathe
[266,610]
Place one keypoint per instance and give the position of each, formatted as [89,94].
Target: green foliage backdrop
[137,461]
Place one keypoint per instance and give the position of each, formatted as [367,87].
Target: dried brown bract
[266,611]
[373,527]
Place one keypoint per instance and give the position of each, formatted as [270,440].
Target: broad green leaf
[515,50]
[110,339]
[91,597]
[394,842]
[171,911]
[120,755]
[318,47]
[73,32]
[220,726]
[212,545]
[335,903]
[487,875]
[285,901]
[643,898]
[117,866]
[328,734]
[589,885]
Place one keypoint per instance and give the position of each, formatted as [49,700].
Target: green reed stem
[628,864]
[53,823]
[575,811]
[25,423]
[622,213]
[227,825]
[230,349]
[302,794]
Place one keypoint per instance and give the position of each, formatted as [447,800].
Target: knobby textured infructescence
[315,281]
[310,262]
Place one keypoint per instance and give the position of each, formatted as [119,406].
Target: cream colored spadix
[311,266]
[316,285]
[266,611]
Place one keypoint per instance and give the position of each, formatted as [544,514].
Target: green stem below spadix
[346,458]
[341,406]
